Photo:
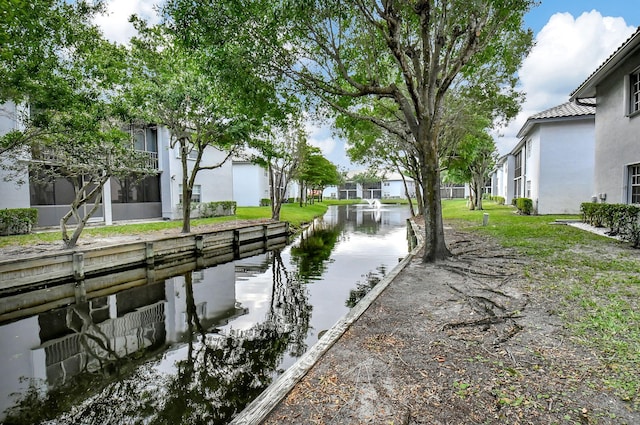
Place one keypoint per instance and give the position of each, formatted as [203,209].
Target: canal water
[199,346]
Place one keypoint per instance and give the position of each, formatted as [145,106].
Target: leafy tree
[69,80]
[474,158]
[203,105]
[386,62]
[316,172]
[281,154]
[403,57]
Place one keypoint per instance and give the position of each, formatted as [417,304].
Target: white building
[155,196]
[553,162]
[390,186]
[250,183]
[616,87]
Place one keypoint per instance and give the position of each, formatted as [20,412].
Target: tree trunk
[187,190]
[83,222]
[435,247]
[406,193]
[301,193]
[276,198]
[81,198]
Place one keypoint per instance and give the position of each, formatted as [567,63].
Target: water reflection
[199,346]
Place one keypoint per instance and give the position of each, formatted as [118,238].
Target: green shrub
[499,200]
[621,219]
[17,221]
[217,209]
[524,205]
[265,202]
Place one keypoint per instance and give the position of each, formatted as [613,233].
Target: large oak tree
[401,55]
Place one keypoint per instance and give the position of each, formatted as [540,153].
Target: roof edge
[531,122]
[587,88]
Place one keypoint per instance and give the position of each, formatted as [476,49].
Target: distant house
[393,186]
[552,164]
[502,178]
[616,86]
[389,186]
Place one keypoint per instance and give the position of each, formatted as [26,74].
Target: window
[634,92]
[518,165]
[517,187]
[634,184]
[193,154]
[145,138]
[133,190]
[196,193]
[45,189]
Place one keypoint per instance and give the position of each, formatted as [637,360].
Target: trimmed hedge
[524,205]
[622,220]
[265,202]
[216,209]
[498,199]
[17,221]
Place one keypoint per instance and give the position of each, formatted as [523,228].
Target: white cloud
[320,136]
[567,51]
[115,22]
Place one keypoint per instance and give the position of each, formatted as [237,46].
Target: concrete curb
[260,408]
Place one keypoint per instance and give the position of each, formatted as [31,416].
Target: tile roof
[568,110]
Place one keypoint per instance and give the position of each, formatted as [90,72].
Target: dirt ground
[466,341]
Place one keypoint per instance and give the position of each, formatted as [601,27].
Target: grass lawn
[595,279]
[292,213]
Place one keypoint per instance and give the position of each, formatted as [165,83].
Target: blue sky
[539,16]
[573,37]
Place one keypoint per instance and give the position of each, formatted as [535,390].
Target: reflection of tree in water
[218,377]
[222,374]
[314,249]
[362,289]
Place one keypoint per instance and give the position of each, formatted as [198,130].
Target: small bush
[265,202]
[499,200]
[216,209]
[524,205]
[621,219]
[17,221]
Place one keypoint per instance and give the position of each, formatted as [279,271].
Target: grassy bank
[292,213]
[596,281]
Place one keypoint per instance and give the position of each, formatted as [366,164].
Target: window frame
[195,191]
[634,183]
[633,93]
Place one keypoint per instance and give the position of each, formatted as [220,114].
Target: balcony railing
[150,159]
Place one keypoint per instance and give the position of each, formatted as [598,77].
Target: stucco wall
[617,135]
[216,184]
[566,166]
[249,184]
[12,195]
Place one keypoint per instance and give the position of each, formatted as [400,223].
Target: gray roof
[566,111]
[588,87]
